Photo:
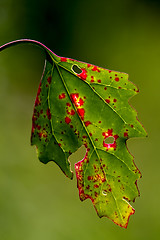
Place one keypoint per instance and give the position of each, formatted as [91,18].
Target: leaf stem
[21,41]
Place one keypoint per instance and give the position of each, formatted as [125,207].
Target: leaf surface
[81,104]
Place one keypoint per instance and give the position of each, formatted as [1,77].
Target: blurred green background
[37,201]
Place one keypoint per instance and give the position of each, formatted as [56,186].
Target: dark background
[37,201]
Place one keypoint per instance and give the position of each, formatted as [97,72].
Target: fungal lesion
[109,140]
[76,69]
[104,192]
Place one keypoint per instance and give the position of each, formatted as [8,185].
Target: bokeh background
[37,201]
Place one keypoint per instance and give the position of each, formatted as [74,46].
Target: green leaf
[81,104]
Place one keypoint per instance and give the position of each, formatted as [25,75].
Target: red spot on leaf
[48,114]
[95,68]
[110,190]
[85,144]
[110,131]
[61,96]
[80,180]
[76,100]
[39,89]
[68,104]
[63,59]
[116,79]
[92,78]
[114,100]
[37,102]
[74,97]
[107,100]
[87,123]
[33,129]
[83,74]
[67,120]
[116,136]
[99,80]
[81,112]
[90,178]
[84,136]
[96,194]
[80,102]
[72,112]
[49,79]
[38,127]
[125,134]
[107,134]
[40,134]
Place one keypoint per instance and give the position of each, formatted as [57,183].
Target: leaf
[81,104]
